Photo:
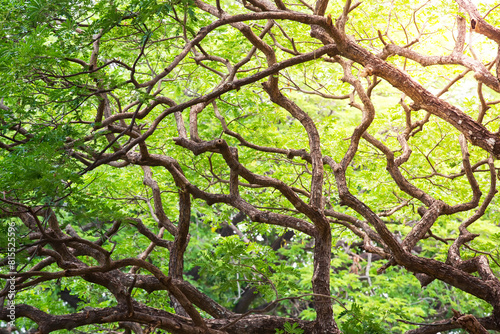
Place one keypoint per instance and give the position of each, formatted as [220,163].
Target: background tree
[251,167]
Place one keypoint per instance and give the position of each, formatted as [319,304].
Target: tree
[225,167]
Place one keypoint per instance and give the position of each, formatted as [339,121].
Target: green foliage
[40,166]
[232,262]
[357,320]
[55,99]
[290,329]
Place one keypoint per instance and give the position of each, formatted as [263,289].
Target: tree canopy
[254,166]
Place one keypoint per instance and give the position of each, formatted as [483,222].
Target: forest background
[254,166]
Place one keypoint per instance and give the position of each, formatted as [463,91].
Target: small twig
[423,324]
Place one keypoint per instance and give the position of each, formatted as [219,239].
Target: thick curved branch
[476,133]
[478,23]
